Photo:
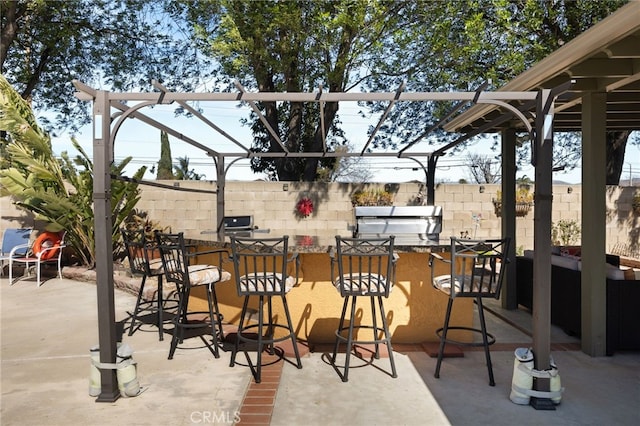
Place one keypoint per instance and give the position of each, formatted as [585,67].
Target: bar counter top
[322,244]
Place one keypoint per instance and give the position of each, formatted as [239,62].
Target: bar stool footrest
[490,337]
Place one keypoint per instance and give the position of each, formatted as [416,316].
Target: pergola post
[102,159]
[543,161]
[220,187]
[594,291]
[509,296]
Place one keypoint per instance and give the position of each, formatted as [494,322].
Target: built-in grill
[410,224]
[241,226]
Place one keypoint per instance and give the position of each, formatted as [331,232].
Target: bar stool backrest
[174,258]
[137,249]
[365,266]
[478,266]
[261,265]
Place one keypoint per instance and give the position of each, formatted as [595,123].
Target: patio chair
[178,269]
[141,261]
[14,237]
[365,268]
[261,270]
[46,249]
[476,270]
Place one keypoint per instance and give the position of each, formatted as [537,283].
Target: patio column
[594,277]
[508,296]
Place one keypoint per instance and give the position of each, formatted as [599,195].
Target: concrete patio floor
[46,334]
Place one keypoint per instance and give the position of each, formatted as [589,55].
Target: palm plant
[57,191]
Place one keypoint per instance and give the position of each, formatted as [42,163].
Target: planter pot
[522,209]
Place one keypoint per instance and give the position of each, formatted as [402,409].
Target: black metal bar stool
[179,270]
[366,268]
[261,269]
[476,270]
[139,252]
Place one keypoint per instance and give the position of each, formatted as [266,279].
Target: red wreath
[304,207]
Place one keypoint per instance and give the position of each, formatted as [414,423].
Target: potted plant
[139,220]
[372,197]
[524,201]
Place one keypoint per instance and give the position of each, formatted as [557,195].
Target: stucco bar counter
[414,308]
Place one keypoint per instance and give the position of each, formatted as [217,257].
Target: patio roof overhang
[601,69]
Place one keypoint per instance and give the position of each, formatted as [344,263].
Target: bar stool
[139,252]
[179,270]
[477,269]
[261,269]
[366,267]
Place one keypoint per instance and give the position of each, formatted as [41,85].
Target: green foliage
[565,232]
[458,45]
[58,192]
[119,44]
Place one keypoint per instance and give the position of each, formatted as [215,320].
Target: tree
[293,46]
[459,45]
[58,192]
[164,165]
[484,169]
[182,171]
[345,169]
[121,44]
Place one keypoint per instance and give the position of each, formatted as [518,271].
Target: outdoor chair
[45,249]
[178,269]
[476,270]
[140,253]
[261,269]
[14,237]
[365,268]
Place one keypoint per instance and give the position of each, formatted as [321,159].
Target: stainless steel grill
[241,226]
[410,224]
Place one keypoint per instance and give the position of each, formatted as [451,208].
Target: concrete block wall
[466,210]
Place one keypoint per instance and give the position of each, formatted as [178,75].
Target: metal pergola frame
[110,109]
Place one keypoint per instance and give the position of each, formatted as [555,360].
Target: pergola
[532,110]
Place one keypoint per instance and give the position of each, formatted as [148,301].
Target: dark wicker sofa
[623,301]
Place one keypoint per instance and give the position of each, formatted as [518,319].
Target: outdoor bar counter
[414,308]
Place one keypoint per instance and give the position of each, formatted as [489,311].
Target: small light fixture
[285,187]
[481,189]
[569,190]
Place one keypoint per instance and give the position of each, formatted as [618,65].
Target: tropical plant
[57,191]
[182,171]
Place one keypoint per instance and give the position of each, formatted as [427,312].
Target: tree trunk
[616,147]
